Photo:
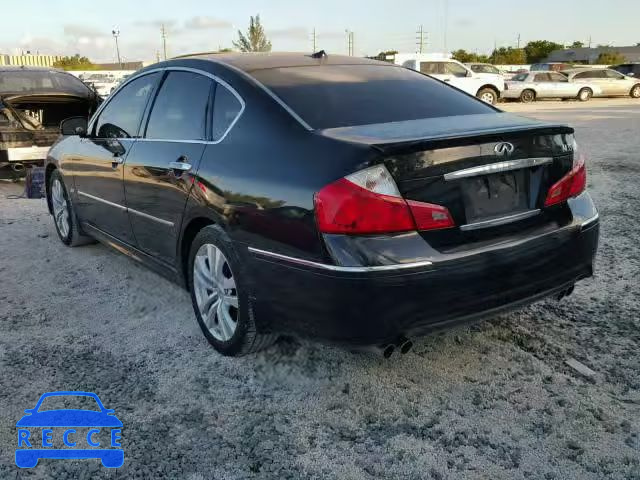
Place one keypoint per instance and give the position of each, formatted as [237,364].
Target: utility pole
[163,34]
[589,41]
[313,39]
[349,42]
[157,56]
[420,41]
[446,23]
[518,41]
[116,33]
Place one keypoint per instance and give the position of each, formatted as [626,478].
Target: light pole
[116,33]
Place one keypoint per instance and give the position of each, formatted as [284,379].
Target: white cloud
[204,22]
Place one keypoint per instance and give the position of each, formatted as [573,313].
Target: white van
[441,66]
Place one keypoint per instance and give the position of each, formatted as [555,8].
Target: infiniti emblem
[503,149]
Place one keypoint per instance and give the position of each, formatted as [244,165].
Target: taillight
[368,202]
[571,185]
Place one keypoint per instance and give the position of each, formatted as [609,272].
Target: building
[590,55]
[118,66]
[29,60]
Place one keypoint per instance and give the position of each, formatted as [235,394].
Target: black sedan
[331,197]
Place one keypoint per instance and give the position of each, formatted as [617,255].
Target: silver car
[528,87]
[610,82]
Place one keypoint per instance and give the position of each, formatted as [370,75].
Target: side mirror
[29,410]
[74,126]
[115,147]
[469,74]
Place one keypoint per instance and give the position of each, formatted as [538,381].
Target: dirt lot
[496,401]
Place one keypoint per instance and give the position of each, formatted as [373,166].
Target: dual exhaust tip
[402,345]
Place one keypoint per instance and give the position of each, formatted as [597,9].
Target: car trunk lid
[489,170]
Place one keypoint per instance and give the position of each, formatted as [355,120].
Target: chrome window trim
[498,167]
[338,268]
[126,209]
[494,222]
[213,77]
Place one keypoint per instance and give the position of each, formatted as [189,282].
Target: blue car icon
[31,447]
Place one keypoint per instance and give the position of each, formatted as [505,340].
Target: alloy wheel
[488,97]
[215,291]
[635,92]
[60,208]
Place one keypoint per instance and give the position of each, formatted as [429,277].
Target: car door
[600,79]
[157,178]
[620,85]
[98,166]
[561,85]
[544,88]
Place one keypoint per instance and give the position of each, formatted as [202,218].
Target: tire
[528,96]
[64,213]
[635,91]
[237,335]
[487,95]
[585,94]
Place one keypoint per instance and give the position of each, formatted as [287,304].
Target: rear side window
[328,96]
[541,77]
[226,109]
[432,68]
[180,110]
[121,117]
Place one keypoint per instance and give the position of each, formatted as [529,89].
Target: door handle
[180,165]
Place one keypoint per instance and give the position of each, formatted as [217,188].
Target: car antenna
[319,54]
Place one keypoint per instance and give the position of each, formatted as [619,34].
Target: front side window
[179,111]
[121,117]
[432,68]
[328,96]
[226,109]
[455,69]
[558,77]
[613,75]
[485,69]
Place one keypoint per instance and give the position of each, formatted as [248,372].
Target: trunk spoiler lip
[391,136]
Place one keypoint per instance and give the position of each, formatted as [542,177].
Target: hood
[69,418]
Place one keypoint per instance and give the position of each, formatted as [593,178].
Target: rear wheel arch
[189,234]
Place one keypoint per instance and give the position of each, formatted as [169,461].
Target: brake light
[571,185]
[368,202]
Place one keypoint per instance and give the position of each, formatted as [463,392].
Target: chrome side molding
[338,268]
[498,167]
[494,222]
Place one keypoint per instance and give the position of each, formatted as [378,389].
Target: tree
[508,56]
[463,56]
[255,40]
[577,44]
[610,58]
[538,50]
[75,62]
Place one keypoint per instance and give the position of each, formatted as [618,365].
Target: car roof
[250,62]
[570,71]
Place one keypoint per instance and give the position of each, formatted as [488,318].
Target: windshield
[27,81]
[69,402]
[331,96]
[521,77]
[485,69]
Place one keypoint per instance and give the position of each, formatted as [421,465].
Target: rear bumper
[364,305]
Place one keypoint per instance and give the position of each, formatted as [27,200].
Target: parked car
[628,69]
[528,87]
[410,206]
[102,83]
[549,67]
[33,102]
[609,83]
[487,87]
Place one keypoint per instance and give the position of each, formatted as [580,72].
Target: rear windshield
[26,81]
[329,96]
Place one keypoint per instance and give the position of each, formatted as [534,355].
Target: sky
[65,27]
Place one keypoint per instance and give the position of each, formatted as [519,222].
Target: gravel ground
[489,402]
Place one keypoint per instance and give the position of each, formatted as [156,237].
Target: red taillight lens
[571,185]
[369,202]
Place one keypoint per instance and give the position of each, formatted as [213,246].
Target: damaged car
[33,102]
